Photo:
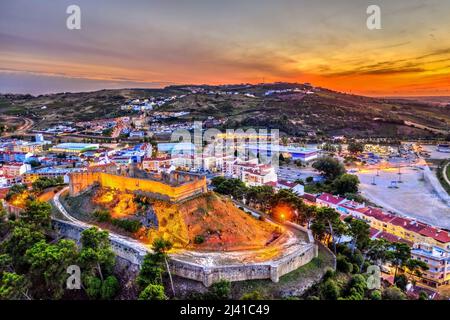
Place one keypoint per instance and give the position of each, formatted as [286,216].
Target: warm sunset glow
[322,42]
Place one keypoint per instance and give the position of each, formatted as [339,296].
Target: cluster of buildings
[295,90]
[147,104]
[429,244]
[173,156]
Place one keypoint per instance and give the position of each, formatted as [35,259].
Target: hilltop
[296,109]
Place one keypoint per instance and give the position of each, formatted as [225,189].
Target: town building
[438,261]
[410,230]
[74,147]
[155,163]
[15,169]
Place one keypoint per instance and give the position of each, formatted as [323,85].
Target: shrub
[254,295]
[375,295]
[109,288]
[393,293]
[401,281]
[343,265]
[102,215]
[328,274]
[153,292]
[199,239]
[220,290]
[127,224]
[330,290]
[93,287]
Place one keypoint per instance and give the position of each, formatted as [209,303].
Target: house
[329,200]
[258,175]
[297,188]
[15,169]
[438,261]
[155,163]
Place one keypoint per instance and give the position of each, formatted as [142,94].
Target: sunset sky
[154,43]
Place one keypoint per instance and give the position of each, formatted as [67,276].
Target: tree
[346,183]
[20,239]
[43,183]
[15,189]
[260,196]
[161,247]
[96,255]
[399,255]
[343,265]
[393,293]
[355,147]
[216,181]
[359,231]
[220,290]
[14,287]
[309,213]
[233,187]
[151,270]
[357,288]
[377,251]
[330,290]
[327,225]
[93,286]
[48,265]
[38,214]
[109,289]
[416,267]
[401,281]
[329,167]
[153,292]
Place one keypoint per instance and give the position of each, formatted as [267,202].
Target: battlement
[174,187]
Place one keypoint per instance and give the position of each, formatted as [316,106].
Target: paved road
[27,125]
[113,236]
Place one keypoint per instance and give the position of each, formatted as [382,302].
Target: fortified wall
[174,187]
[134,252]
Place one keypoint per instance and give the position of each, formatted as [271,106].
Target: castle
[173,187]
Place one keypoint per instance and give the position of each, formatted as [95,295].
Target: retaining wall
[135,253]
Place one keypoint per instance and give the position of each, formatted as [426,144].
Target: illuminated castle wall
[173,187]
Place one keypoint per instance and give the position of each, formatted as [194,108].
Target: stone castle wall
[135,252]
[81,181]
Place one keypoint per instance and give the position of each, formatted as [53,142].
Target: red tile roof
[287,183]
[439,235]
[392,238]
[378,214]
[327,197]
[373,232]
[309,197]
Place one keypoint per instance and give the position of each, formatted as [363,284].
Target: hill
[207,222]
[276,105]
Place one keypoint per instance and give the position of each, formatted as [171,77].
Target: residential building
[438,261]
